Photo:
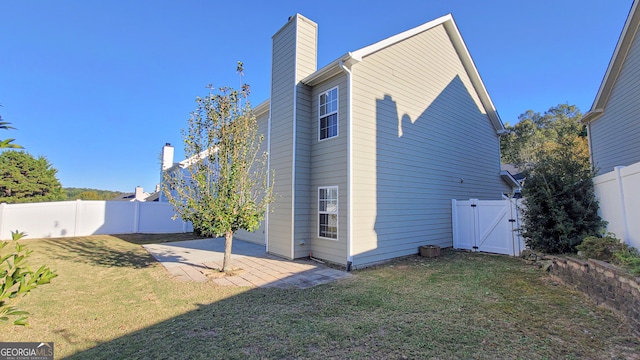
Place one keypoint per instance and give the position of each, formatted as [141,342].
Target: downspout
[266,217]
[293,157]
[593,164]
[587,119]
[349,168]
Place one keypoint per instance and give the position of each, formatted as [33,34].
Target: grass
[112,300]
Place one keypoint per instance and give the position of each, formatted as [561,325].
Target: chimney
[167,156]
[139,194]
[294,53]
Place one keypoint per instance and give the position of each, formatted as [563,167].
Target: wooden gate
[487,226]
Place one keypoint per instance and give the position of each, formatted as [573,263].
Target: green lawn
[112,300]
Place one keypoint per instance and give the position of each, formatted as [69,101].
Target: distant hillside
[90,194]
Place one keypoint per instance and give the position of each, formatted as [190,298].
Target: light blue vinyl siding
[615,136]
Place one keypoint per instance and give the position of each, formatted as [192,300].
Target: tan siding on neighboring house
[421,137]
[329,159]
[615,136]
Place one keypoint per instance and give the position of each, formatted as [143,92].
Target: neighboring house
[514,176]
[613,123]
[153,197]
[369,150]
[516,173]
[137,195]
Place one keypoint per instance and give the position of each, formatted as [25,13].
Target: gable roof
[513,170]
[451,28]
[259,110]
[629,32]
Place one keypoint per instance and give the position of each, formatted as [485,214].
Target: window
[328,114]
[328,212]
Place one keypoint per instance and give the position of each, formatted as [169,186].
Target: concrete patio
[198,260]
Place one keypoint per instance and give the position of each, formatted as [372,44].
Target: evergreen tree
[24,178]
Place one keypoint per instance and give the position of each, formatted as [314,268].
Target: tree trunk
[228,239]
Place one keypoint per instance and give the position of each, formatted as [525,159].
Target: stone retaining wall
[603,283]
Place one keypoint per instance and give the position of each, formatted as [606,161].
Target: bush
[629,258]
[560,205]
[600,248]
[611,249]
[17,280]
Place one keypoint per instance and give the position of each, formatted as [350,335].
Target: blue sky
[98,87]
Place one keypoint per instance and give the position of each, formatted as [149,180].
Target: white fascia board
[591,116]
[348,59]
[510,179]
[261,108]
[332,69]
[456,38]
[463,53]
[617,59]
[194,159]
[258,110]
[474,75]
[368,50]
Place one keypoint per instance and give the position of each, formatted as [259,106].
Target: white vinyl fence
[82,218]
[618,192]
[487,226]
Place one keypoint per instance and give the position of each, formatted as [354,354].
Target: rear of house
[421,137]
[382,139]
[369,150]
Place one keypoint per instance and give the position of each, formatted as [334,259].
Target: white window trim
[337,213]
[337,112]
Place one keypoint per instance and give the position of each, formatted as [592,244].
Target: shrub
[17,235]
[17,280]
[600,248]
[611,249]
[629,258]
[560,205]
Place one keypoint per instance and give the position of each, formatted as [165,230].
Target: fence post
[625,223]
[476,225]
[454,222]
[76,218]
[3,207]
[136,216]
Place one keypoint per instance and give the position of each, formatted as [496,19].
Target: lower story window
[328,212]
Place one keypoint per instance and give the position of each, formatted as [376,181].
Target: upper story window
[328,114]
